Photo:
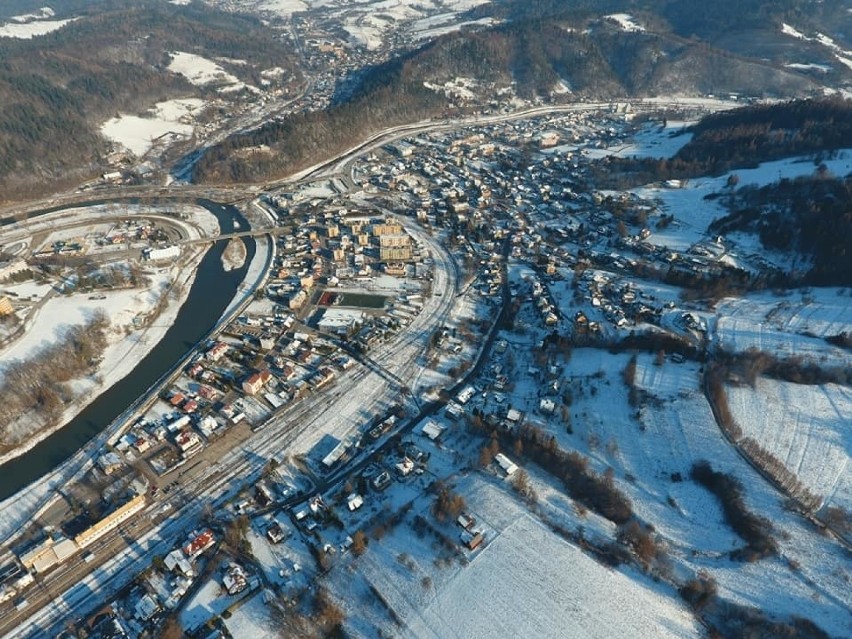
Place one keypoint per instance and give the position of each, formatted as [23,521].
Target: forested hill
[768,132]
[57,90]
[686,18]
[810,215]
[742,138]
[532,58]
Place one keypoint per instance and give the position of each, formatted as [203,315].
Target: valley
[432,320]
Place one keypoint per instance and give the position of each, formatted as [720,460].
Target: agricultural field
[525,582]
[795,325]
[678,429]
[806,427]
[566,594]
[651,447]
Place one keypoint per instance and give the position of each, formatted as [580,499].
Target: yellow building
[36,553]
[395,254]
[47,554]
[6,307]
[110,522]
[298,300]
[397,269]
[394,241]
[387,229]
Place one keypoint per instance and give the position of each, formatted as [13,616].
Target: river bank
[211,293]
[123,353]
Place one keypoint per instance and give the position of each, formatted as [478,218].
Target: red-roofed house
[198,545]
[216,352]
[253,384]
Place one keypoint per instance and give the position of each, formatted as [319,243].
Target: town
[297,355]
[445,268]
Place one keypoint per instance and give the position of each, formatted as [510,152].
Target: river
[211,292]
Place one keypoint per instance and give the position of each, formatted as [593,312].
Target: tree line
[754,530]
[597,492]
[38,387]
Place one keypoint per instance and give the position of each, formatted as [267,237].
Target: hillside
[58,89]
[709,21]
[742,138]
[811,216]
[769,132]
[532,59]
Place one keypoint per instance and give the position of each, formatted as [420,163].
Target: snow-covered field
[138,134]
[30,25]
[656,141]
[808,66]
[45,13]
[842,55]
[203,72]
[626,22]
[526,582]
[285,8]
[793,326]
[368,22]
[126,347]
[651,450]
[31,29]
[806,427]
[693,214]
[428,28]
[211,599]
[565,593]
[253,619]
[455,89]
[681,430]
[322,189]
[62,312]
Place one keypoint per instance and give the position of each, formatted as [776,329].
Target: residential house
[255,382]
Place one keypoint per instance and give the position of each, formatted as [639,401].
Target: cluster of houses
[324,242]
[231,381]
[135,232]
[131,231]
[481,184]
[142,608]
[533,180]
[464,175]
[544,303]
[619,301]
[262,361]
